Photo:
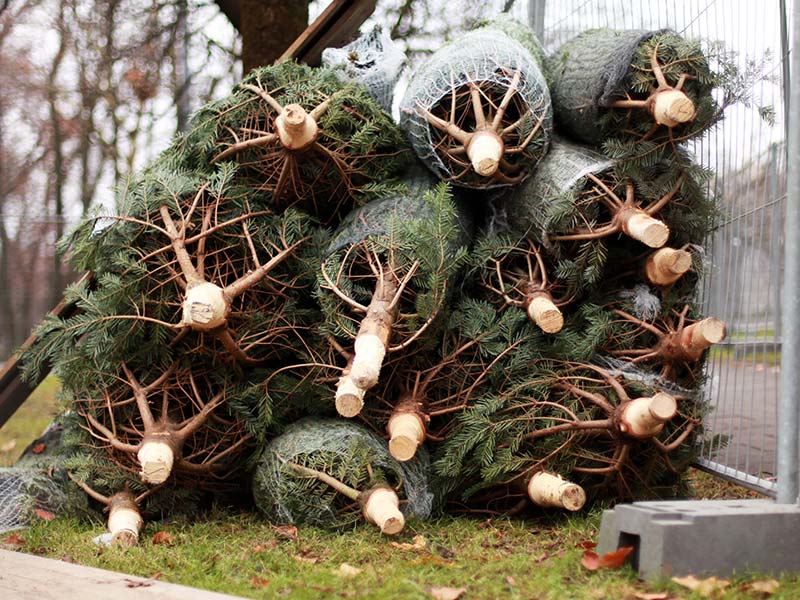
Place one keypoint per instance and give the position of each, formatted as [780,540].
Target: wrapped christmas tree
[386,276]
[478,111]
[566,432]
[632,90]
[164,421]
[580,205]
[335,474]
[301,137]
[193,262]
[516,271]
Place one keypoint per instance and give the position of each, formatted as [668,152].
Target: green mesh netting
[532,208]
[345,451]
[600,66]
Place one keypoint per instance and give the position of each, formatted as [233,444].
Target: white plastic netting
[22,492]
[644,303]
[373,61]
[488,60]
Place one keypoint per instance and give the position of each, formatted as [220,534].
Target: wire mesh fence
[742,283]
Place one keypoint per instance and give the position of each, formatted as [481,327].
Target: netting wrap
[562,173]
[600,67]
[377,218]
[23,491]
[346,452]
[489,60]
[373,61]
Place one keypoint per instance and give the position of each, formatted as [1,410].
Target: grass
[28,422]
[758,357]
[240,554]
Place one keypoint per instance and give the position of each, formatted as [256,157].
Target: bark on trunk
[268,28]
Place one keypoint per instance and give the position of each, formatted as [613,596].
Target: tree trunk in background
[59,163]
[268,28]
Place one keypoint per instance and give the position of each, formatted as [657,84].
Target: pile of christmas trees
[297,308]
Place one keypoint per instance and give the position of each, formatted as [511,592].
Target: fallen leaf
[419,543]
[163,538]
[705,587]
[446,593]
[590,560]
[586,545]
[287,532]
[766,587]
[259,581]
[136,584]
[8,446]
[611,560]
[39,448]
[651,595]
[13,542]
[157,575]
[510,580]
[614,560]
[346,570]
[44,514]
[67,559]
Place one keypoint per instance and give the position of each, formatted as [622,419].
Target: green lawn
[242,555]
[28,422]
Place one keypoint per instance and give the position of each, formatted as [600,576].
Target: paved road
[745,396]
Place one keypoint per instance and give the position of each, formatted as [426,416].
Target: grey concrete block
[705,537]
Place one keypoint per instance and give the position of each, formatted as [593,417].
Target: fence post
[788,448]
[536,17]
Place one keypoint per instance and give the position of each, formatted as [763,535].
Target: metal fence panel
[743,279]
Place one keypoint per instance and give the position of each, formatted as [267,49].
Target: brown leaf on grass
[39,448]
[346,570]
[705,587]
[286,532]
[510,580]
[8,446]
[651,595]
[13,542]
[44,514]
[259,581]
[766,586]
[586,545]
[611,560]
[163,538]
[418,543]
[439,592]
[590,560]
